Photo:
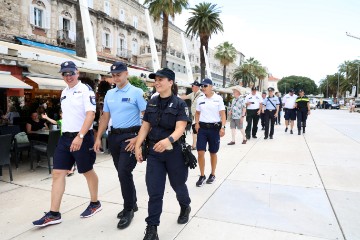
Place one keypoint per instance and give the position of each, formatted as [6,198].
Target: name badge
[125,99]
[201,103]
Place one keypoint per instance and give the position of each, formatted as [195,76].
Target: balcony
[123,53]
[65,37]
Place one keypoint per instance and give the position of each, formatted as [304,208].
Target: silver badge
[66,63]
[114,67]
[187,111]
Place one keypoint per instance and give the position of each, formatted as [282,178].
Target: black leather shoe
[271,137]
[120,214]
[184,215]
[126,219]
[299,132]
[151,233]
[254,136]
[286,129]
[265,137]
[291,132]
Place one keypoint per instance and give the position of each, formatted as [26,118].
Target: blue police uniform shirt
[124,106]
[267,103]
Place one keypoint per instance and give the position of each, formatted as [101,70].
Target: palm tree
[260,73]
[204,22]
[245,74]
[227,54]
[163,9]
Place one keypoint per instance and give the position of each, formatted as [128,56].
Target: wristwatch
[171,139]
[223,127]
[81,136]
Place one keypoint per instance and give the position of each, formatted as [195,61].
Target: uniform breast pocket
[152,113]
[77,99]
[168,119]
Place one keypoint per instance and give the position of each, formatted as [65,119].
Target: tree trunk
[204,40]
[224,76]
[164,39]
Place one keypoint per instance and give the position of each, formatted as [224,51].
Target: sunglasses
[204,86]
[66,74]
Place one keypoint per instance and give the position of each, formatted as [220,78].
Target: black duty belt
[73,134]
[134,129]
[210,125]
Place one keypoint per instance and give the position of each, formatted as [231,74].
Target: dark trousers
[278,119]
[262,118]
[124,163]
[269,120]
[252,118]
[301,114]
[158,165]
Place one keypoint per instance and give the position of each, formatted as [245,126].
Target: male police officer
[78,112]
[196,93]
[290,111]
[262,115]
[123,104]
[253,110]
[270,110]
[303,110]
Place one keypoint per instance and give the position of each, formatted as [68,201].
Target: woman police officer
[164,123]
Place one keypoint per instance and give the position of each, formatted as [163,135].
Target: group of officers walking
[161,123]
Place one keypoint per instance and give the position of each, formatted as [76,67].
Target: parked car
[329,104]
[357,103]
[313,105]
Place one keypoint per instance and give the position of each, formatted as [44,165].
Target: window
[135,22]
[90,3]
[66,24]
[107,40]
[107,7]
[38,17]
[122,15]
[134,46]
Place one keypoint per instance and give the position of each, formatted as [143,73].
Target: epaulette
[90,88]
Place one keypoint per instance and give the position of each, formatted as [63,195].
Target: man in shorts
[289,109]
[237,114]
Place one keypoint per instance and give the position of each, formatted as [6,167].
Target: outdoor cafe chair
[47,149]
[5,147]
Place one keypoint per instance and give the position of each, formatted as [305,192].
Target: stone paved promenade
[293,187]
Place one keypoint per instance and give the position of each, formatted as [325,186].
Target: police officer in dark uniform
[124,105]
[270,110]
[262,115]
[302,105]
[164,122]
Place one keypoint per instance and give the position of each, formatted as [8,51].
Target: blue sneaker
[91,210]
[48,219]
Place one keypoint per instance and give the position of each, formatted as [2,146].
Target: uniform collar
[74,87]
[124,89]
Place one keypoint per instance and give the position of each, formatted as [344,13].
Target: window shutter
[103,39]
[118,45]
[122,15]
[61,26]
[125,44]
[72,26]
[31,15]
[47,20]
[107,7]
[111,40]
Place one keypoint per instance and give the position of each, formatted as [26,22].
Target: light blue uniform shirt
[268,100]
[125,106]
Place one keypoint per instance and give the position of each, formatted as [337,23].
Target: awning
[9,81]
[49,83]
[45,46]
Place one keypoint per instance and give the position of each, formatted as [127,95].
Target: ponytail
[174,89]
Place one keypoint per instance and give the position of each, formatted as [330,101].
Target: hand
[262,111]
[162,145]
[138,154]
[308,112]
[97,145]
[241,120]
[222,132]
[258,112]
[276,114]
[131,144]
[76,144]
[44,116]
[197,126]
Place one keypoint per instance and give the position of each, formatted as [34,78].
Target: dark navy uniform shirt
[302,102]
[162,114]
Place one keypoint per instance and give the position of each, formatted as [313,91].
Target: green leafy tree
[260,73]
[244,75]
[162,9]
[204,22]
[297,83]
[226,53]
[351,71]
[137,82]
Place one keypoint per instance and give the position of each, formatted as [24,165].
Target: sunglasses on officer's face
[66,74]
[204,86]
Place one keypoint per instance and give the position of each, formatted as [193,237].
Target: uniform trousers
[301,114]
[124,163]
[269,120]
[158,165]
[252,118]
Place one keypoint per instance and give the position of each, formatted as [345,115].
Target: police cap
[164,72]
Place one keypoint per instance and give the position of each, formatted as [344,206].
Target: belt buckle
[270,110]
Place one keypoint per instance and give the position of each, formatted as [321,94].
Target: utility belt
[272,110]
[216,125]
[74,134]
[134,129]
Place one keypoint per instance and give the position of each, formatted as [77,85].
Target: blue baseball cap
[68,66]
[118,67]
[164,72]
[206,81]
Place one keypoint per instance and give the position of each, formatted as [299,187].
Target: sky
[290,37]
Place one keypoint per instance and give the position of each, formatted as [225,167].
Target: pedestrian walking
[278,119]
[262,115]
[196,93]
[289,109]
[253,110]
[164,122]
[124,104]
[237,115]
[270,109]
[210,122]
[303,110]
[78,107]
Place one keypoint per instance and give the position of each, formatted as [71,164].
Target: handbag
[189,158]
[21,137]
